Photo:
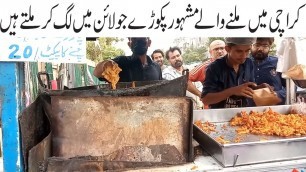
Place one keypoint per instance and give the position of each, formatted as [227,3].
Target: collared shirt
[265,72]
[163,67]
[198,73]
[133,70]
[170,73]
[220,76]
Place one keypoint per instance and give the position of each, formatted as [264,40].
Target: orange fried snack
[270,123]
[207,127]
[111,74]
[238,138]
[221,140]
[224,127]
[194,167]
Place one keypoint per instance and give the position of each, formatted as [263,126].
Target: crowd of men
[236,67]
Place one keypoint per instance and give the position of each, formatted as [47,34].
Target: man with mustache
[216,50]
[230,81]
[137,67]
[158,57]
[175,69]
[265,67]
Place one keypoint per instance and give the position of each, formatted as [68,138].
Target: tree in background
[273,50]
[193,49]
[194,54]
[103,50]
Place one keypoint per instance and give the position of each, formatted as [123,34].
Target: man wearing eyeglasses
[216,50]
[265,67]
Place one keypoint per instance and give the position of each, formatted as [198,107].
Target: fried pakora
[270,123]
[206,126]
[111,74]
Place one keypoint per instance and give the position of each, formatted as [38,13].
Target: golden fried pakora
[270,123]
[111,74]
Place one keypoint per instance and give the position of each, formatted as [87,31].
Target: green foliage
[194,54]
[273,50]
[106,50]
[190,52]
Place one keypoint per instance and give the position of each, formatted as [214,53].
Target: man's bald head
[216,43]
[217,49]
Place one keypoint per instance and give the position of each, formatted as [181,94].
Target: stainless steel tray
[253,148]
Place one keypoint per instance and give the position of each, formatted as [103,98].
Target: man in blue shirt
[230,79]
[137,67]
[265,67]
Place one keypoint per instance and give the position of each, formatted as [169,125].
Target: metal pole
[288,95]
[11,94]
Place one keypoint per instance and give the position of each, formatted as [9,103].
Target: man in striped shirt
[216,50]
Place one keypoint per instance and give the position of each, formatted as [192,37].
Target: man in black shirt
[137,67]
[229,79]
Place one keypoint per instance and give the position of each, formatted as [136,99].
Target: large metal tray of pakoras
[241,136]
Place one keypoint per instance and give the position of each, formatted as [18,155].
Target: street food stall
[146,127]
